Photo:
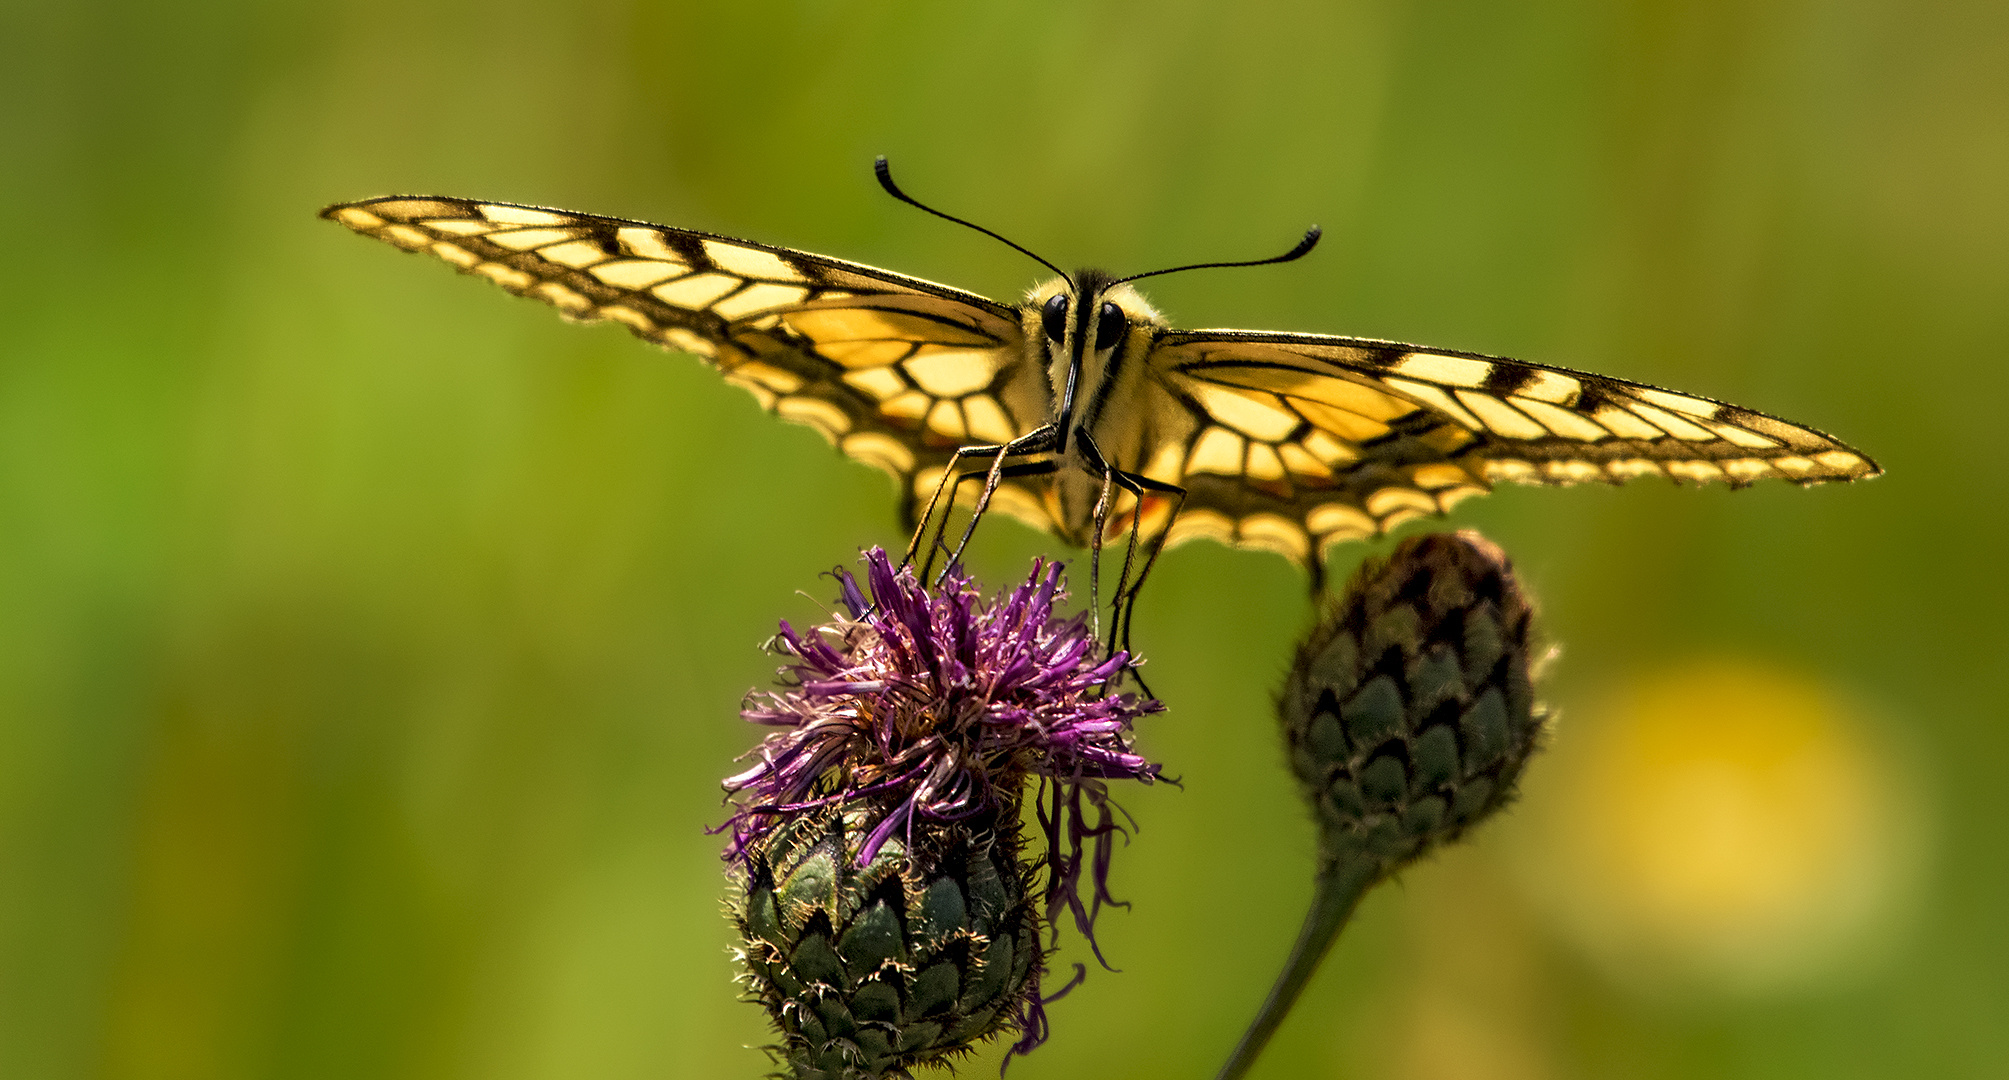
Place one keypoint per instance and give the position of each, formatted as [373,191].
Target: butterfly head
[1094,310]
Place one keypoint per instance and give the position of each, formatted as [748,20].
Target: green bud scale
[868,970]
[1411,707]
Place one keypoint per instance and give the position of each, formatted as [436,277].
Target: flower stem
[1334,896]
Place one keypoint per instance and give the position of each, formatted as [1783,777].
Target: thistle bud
[1411,708]
[872,969]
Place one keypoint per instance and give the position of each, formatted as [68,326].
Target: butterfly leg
[1092,457]
[1100,522]
[928,514]
[1124,605]
[997,472]
[1128,588]
[1124,600]
[1039,440]
[953,480]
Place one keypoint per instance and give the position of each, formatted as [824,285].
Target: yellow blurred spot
[1727,822]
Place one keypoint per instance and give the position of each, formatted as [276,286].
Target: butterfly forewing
[1302,441]
[895,370]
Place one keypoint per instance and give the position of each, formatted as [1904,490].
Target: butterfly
[1080,411]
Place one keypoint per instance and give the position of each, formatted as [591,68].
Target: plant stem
[1334,896]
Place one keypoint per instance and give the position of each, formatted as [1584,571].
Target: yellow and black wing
[894,370]
[1301,441]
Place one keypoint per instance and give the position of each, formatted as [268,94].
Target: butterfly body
[1081,404]
[1104,407]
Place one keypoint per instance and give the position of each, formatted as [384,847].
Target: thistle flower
[885,907]
[1407,718]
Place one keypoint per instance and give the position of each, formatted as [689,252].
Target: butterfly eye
[1056,317]
[1109,325]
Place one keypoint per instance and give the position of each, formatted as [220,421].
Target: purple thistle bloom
[934,708]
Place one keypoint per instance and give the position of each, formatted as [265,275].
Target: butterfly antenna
[1303,248]
[885,174]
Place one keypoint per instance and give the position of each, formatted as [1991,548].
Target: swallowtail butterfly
[1079,410]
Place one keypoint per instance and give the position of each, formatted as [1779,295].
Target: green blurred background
[371,643]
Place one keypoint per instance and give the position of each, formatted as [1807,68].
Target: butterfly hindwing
[1303,440]
[895,370]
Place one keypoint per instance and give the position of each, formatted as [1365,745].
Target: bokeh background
[370,642]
